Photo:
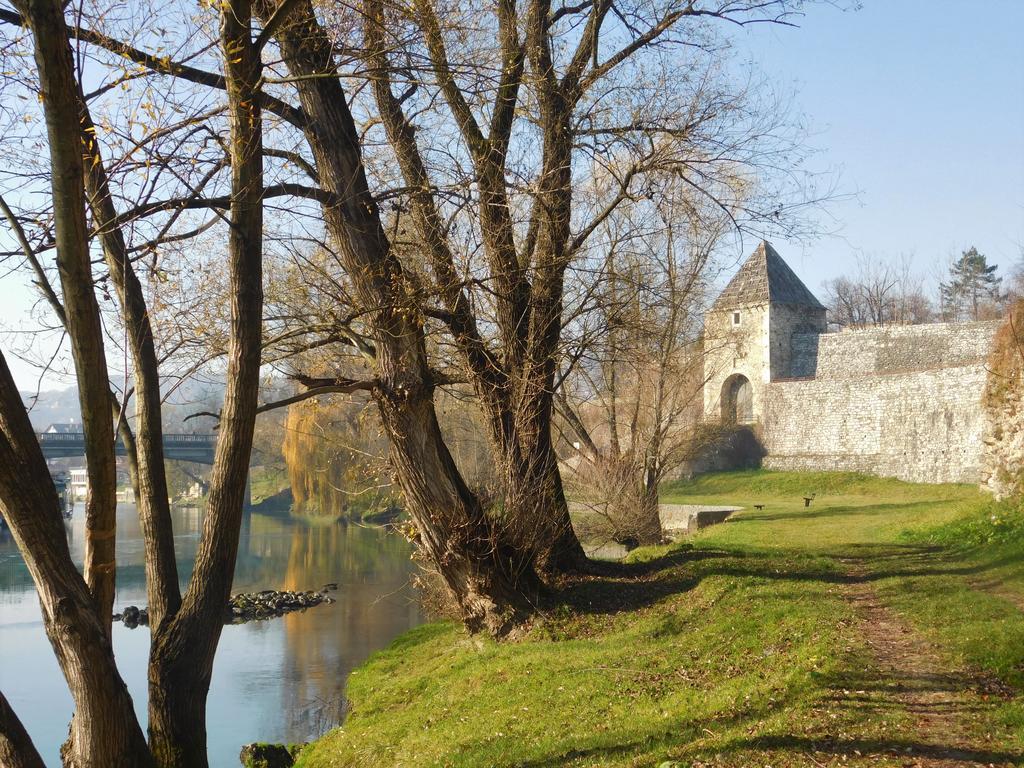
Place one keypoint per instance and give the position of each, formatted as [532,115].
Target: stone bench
[690,518]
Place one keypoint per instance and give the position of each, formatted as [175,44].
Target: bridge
[196,448]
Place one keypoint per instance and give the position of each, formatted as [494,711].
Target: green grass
[734,648]
[267,481]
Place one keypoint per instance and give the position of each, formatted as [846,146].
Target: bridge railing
[76,438]
[202,439]
[60,437]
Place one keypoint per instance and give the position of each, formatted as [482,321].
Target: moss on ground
[738,647]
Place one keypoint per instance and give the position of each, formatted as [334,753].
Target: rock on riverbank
[247,606]
[269,755]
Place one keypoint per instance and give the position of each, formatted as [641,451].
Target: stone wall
[1003,462]
[804,354]
[902,402]
[899,349]
[924,426]
[788,326]
[731,350]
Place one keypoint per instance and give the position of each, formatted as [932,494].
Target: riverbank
[883,625]
[282,680]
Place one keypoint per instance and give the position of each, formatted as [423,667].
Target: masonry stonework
[902,401]
[1003,462]
[751,332]
[736,350]
[1002,470]
[886,402]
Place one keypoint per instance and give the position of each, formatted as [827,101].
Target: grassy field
[881,626]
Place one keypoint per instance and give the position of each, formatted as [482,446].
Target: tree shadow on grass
[881,562]
[853,748]
[937,698]
[656,740]
[823,511]
[865,683]
[671,559]
[627,586]
[588,754]
[597,596]
[877,561]
[924,693]
[921,695]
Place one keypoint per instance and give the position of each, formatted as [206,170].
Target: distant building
[196,490]
[754,335]
[79,483]
[63,429]
[900,401]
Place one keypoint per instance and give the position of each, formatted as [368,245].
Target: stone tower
[763,327]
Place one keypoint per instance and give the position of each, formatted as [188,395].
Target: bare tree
[879,292]
[186,628]
[564,71]
[493,238]
[183,649]
[634,405]
[484,570]
[76,613]
[1015,289]
[490,185]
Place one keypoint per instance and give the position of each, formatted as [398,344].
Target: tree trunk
[58,85]
[492,581]
[649,516]
[555,202]
[77,618]
[146,451]
[535,510]
[538,499]
[16,748]
[104,730]
[183,648]
[461,542]
[178,689]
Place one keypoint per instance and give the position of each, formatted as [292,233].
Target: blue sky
[919,104]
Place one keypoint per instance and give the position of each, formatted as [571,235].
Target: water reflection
[278,680]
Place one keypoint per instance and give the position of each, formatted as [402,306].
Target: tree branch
[16,747]
[351,385]
[295,159]
[275,22]
[41,279]
[223,202]
[165,66]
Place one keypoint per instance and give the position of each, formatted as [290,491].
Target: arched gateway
[737,400]
[762,328]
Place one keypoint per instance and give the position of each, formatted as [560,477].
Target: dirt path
[909,676]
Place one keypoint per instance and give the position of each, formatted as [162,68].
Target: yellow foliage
[332,466]
[1006,363]
[1004,399]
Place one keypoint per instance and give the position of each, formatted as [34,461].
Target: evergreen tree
[971,280]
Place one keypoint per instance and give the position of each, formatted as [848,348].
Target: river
[276,680]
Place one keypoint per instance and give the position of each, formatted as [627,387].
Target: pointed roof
[63,429]
[765,278]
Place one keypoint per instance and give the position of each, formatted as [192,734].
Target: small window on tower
[735,318]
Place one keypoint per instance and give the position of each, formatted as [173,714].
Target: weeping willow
[334,461]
